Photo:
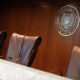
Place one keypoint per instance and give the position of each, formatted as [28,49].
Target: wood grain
[39,20]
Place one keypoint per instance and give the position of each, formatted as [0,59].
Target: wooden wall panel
[33,21]
[39,20]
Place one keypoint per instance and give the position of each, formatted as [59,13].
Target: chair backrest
[22,49]
[3,36]
[73,70]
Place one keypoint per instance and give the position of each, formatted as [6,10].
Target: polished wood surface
[39,20]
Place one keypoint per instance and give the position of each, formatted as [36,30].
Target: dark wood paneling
[39,20]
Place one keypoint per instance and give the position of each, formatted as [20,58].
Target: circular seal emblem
[67,20]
